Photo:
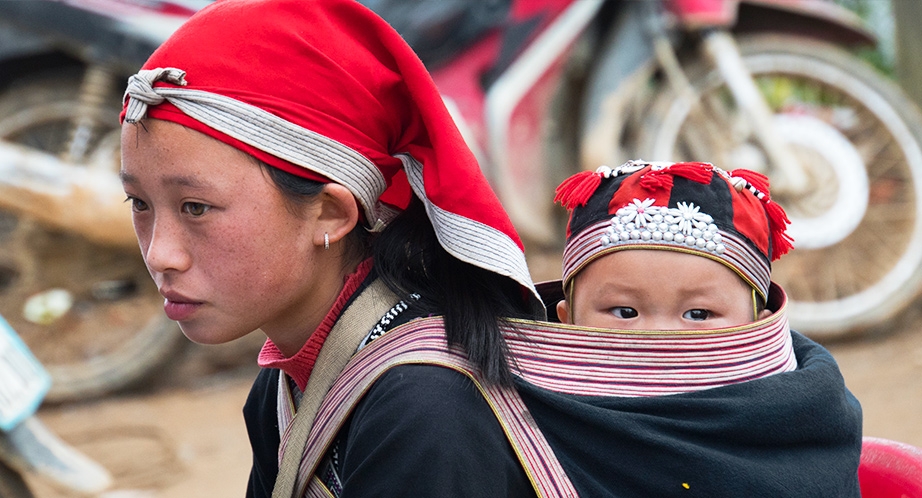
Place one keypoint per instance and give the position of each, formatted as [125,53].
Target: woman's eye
[136,204]
[697,315]
[624,312]
[195,208]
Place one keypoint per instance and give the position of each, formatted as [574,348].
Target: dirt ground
[183,435]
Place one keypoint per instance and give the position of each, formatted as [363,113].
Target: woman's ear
[563,312]
[338,213]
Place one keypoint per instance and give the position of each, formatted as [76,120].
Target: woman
[291,168]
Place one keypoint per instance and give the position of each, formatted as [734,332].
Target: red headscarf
[326,89]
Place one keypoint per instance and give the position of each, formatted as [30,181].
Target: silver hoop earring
[326,240]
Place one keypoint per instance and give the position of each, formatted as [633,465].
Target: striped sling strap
[422,341]
[358,318]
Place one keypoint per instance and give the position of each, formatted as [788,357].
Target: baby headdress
[691,207]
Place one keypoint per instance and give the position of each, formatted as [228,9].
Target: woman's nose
[166,250]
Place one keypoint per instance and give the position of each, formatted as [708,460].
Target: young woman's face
[641,289]
[227,252]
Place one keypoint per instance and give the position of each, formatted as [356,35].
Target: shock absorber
[96,87]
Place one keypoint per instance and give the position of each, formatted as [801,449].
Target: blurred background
[540,89]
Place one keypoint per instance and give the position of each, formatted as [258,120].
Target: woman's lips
[179,311]
[178,307]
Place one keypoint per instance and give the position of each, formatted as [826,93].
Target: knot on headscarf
[141,92]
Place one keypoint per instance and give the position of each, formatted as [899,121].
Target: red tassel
[778,223]
[662,178]
[656,179]
[576,190]
[698,172]
[778,220]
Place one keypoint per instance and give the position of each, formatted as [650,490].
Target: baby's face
[641,289]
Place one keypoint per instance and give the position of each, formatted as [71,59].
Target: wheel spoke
[831,88]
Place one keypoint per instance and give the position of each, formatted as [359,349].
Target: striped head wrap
[327,90]
[694,208]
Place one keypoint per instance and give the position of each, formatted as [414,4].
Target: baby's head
[668,246]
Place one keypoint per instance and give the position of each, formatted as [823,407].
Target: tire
[858,228]
[114,332]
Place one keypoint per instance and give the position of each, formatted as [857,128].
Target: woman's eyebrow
[187,181]
[127,177]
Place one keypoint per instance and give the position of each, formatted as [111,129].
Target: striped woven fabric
[600,362]
[285,412]
[739,255]
[562,358]
[423,341]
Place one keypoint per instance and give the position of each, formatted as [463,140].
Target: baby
[676,247]
[675,372]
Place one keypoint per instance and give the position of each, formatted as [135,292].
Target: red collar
[299,366]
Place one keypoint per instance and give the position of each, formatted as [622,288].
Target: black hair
[474,302]
[298,191]
[410,260]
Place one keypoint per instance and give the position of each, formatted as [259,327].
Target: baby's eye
[195,208]
[697,315]
[136,204]
[624,312]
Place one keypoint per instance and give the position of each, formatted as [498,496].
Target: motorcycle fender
[812,18]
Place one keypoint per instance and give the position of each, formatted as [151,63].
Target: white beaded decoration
[683,225]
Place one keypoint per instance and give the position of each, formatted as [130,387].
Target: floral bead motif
[683,225]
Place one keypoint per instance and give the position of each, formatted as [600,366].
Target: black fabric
[716,200]
[426,431]
[596,208]
[259,414]
[791,434]
[421,430]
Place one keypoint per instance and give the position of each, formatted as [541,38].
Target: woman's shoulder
[425,390]
[429,429]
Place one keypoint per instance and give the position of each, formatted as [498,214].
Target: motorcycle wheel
[858,227]
[110,331]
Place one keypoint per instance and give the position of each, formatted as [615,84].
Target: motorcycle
[27,446]
[767,85]
[839,142]
[71,279]
[539,88]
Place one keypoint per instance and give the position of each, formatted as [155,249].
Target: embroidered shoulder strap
[423,341]
[337,349]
